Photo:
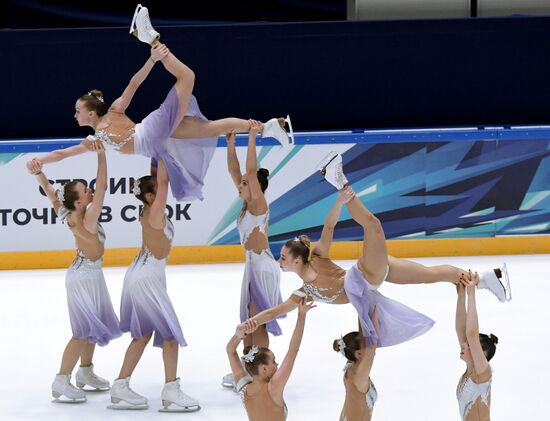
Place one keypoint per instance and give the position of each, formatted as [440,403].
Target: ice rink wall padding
[437,192]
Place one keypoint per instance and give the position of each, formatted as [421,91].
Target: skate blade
[65,400]
[132,25]
[93,389]
[507,287]
[290,131]
[228,385]
[123,406]
[176,408]
[325,161]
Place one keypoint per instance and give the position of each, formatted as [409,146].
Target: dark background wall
[24,14]
[327,75]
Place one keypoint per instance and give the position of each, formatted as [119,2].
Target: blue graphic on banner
[454,189]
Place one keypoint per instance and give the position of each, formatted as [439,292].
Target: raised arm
[281,376]
[233,165]
[472,327]
[274,312]
[158,207]
[34,166]
[49,190]
[322,247]
[94,210]
[231,348]
[158,52]
[252,168]
[460,317]
[362,374]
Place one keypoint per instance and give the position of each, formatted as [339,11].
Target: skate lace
[340,174]
[148,25]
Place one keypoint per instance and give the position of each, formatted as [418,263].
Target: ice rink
[416,381]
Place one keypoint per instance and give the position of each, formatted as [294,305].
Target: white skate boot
[331,168]
[174,400]
[498,282]
[86,376]
[275,128]
[122,397]
[141,26]
[64,392]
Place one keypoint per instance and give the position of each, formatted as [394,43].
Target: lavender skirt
[261,287]
[145,306]
[186,160]
[397,322]
[90,310]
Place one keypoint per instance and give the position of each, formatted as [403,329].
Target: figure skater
[260,288]
[477,349]
[177,132]
[324,281]
[93,320]
[262,385]
[145,305]
[360,391]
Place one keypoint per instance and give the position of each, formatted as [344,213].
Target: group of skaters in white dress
[180,141]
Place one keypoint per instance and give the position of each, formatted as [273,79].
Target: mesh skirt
[186,160]
[397,322]
[261,287]
[90,310]
[145,306]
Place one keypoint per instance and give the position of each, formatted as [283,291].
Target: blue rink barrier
[421,183]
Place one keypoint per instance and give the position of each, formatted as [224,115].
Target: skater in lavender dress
[146,308]
[326,282]
[93,320]
[177,132]
[260,289]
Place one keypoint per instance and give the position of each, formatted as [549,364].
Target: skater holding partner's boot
[260,287]
[177,132]
[146,308]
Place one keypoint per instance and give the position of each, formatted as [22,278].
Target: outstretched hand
[473,280]
[304,306]
[255,126]
[230,137]
[246,328]
[34,166]
[159,51]
[346,194]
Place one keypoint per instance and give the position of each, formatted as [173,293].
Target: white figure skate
[331,169]
[141,26]
[275,128]
[498,282]
[64,392]
[174,400]
[123,397]
[227,381]
[85,376]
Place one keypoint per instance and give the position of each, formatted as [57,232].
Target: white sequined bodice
[469,392]
[248,222]
[309,289]
[106,138]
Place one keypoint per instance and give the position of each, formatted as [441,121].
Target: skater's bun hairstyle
[351,342]
[488,344]
[142,186]
[94,101]
[252,361]
[263,178]
[69,194]
[300,247]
